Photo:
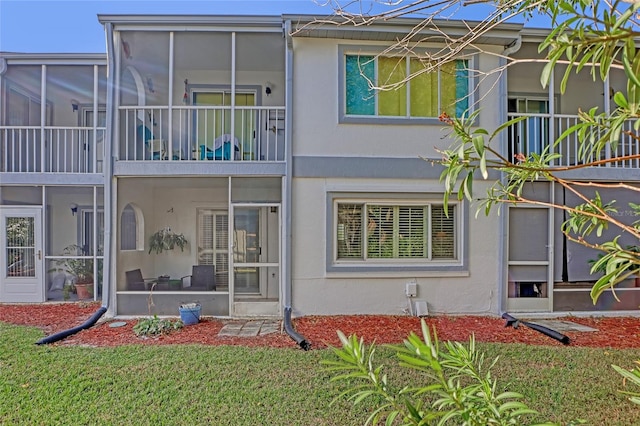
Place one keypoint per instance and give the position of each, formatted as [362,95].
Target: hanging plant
[166,239]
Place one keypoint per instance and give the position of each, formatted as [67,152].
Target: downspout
[107,177]
[287,237]
[503,231]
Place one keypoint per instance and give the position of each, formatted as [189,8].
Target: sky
[71,26]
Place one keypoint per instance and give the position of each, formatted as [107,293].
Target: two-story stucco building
[260,141]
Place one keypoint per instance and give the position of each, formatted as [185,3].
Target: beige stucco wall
[317,132]
[316,291]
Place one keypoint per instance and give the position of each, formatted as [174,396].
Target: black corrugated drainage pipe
[301,341]
[66,333]
[514,322]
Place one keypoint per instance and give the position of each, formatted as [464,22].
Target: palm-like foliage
[458,388]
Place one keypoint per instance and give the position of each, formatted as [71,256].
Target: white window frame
[427,261]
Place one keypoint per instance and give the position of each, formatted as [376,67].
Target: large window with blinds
[379,231]
[408,90]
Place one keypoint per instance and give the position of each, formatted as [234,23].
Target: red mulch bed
[320,331]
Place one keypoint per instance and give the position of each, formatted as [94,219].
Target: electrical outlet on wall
[411,289]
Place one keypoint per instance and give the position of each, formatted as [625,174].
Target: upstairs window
[378,232]
[425,95]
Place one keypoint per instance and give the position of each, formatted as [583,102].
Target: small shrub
[458,389]
[155,326]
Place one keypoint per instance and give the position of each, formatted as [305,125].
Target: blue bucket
[190,314]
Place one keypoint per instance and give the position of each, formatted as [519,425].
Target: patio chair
[203,278]
[156,147]
[135,281]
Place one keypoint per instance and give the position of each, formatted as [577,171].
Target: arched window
[131,228]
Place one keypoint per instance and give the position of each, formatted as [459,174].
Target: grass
[151,385]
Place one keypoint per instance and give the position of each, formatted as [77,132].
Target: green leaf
[478,144]
[629,72]
[546,73]
[483,166]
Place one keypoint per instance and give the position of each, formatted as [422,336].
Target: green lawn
[183,385]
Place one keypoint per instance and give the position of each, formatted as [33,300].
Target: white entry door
[21,261]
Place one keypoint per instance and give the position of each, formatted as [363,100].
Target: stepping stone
[231,329]
[250,329]
[559,325]
[269,327]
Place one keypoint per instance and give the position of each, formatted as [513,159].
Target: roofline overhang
[13,58]
[239,23]
[534,35]
[332,27]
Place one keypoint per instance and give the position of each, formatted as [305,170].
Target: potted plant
[166,239]
[79,270]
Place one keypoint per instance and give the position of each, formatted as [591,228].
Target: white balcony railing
[202,133]
[51,149]
[538,131]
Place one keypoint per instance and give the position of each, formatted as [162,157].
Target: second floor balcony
[202,134]
[53,114]
[51,149]
[540,131]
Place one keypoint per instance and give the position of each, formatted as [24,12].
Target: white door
[21,260]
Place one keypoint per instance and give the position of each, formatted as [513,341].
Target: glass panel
[443,235]
[209,124]
[462,87]
[423,92]
[86,236]
[412,232]
[221,249]
[349,231]
[20,246]
[448,88]
[213,124]
[245,127]
[392,102]
[380,235]
[360,99]
[128,229]
[212,243]
[246,249]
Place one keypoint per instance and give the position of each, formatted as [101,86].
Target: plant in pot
[166,239]
[80,271]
